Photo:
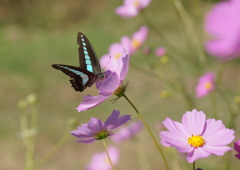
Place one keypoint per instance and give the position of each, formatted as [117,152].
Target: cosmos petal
[194,122]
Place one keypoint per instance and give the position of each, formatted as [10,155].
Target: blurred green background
[36,34]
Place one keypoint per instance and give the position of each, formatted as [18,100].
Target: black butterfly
[89,70]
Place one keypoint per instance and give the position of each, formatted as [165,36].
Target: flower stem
[106,150]
[149,131]
[193,165]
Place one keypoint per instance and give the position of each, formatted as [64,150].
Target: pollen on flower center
[118,55]
[208,85]
[196,141]
[101,134]
[136,43]
[136,3]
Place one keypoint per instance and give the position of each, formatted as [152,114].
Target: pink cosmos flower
[127,132]
[160,51]
[237,148]
[131,8]
[100,160]
[223,24]
[206,84]
[110,85]
[138,38]
[197,136]
[95,129]
[110,61]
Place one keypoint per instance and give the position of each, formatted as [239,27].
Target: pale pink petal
[194,122]
[197,154]
[217,134]
[104,62]
[126,11]
[91,102]
[160,51]
[141,34]
[144,3]
[216,150]
[100,161]
[169,139]
[223,24]
[176,128]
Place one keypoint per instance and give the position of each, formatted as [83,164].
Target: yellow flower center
[136,3]
[136,44]
[118,55]
[102,134]
[196,141]
[208,85]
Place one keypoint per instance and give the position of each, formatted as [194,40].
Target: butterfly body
[89,70]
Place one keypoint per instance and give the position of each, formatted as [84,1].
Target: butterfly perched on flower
[89,71]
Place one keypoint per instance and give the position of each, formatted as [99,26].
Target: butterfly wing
[80,78]
[87,57]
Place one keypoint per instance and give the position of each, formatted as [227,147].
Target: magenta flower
[95,129]
[112,84]
[127,132]
[223,24]
[160,51]
[197,136]
[100,160]
[206,84]
[131,8]
[237,148]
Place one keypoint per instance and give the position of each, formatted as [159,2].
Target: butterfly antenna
[107,62]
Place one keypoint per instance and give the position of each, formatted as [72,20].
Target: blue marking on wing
[82,39]
[84,44]
[87,57]
[90,68]
[84,76]
[85,52]
[84,48]
[88,62]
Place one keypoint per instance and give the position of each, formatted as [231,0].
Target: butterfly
[89,71]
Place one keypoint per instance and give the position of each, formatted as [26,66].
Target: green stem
[28,142]
[106,150]
[190,28]
[194,165]
[149,131]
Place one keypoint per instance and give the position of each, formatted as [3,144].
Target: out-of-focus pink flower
[138,38]
[111,61]
[237,148]
[100,161]
[131,8]
[196,136]
[96,129]
[160,51]
[223,24]
[206,84]
[109,86]
[127,132]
